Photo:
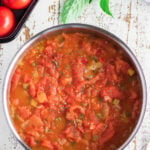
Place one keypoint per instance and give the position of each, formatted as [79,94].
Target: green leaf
[90,1]
[104,4]
[72,9]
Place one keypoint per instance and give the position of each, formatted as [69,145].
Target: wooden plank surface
[131,23]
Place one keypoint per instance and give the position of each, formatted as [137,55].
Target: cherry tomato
[17,4]
[7,21]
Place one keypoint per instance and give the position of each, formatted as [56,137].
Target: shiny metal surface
[73,28]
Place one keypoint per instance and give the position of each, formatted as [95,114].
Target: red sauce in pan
[75,92]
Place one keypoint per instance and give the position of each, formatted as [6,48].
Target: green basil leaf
[90,1]
[104,4]
[72,9]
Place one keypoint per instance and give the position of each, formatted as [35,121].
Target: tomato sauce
[75,91]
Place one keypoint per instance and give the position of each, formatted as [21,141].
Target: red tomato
[7,21]
[17,4]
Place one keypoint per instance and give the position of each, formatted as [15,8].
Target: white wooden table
[131,23]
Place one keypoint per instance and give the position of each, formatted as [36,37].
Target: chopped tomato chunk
[34,122]
[72,134]
[26,78]
[41,97]
[48,50]
[112,92]
[15,79]
[15,101]
[31,141]
[99,129]
[24,112]
[47,144]
[78,71]
[122,66]
[108,134]
[74,112]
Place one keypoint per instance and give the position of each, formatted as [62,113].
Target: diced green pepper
[82,116]
[19,118]
[55,63]
[116,102]
[95,138]
[33,103]
[84,104]
[131,72]
[58,119]
[25,86]
[99,116]
[47,130]
[73,143]
[34,64]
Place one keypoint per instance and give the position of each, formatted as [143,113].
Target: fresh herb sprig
[73,8]
[104,4]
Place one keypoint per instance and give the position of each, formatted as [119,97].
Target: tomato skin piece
[15,101]
[65,80]
[108,134]
[15,79]
[72,134]
[47,144]
[32,89]
[122,66]
[48,51]
[26,78]
[17,4]
[33,133]
[135,111]
[93,117]
[99,129]
[34,123]
[31,141]
[7,21]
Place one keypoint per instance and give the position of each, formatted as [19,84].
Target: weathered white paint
[148,1]
[131,23]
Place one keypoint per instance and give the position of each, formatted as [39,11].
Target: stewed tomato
[75,91]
